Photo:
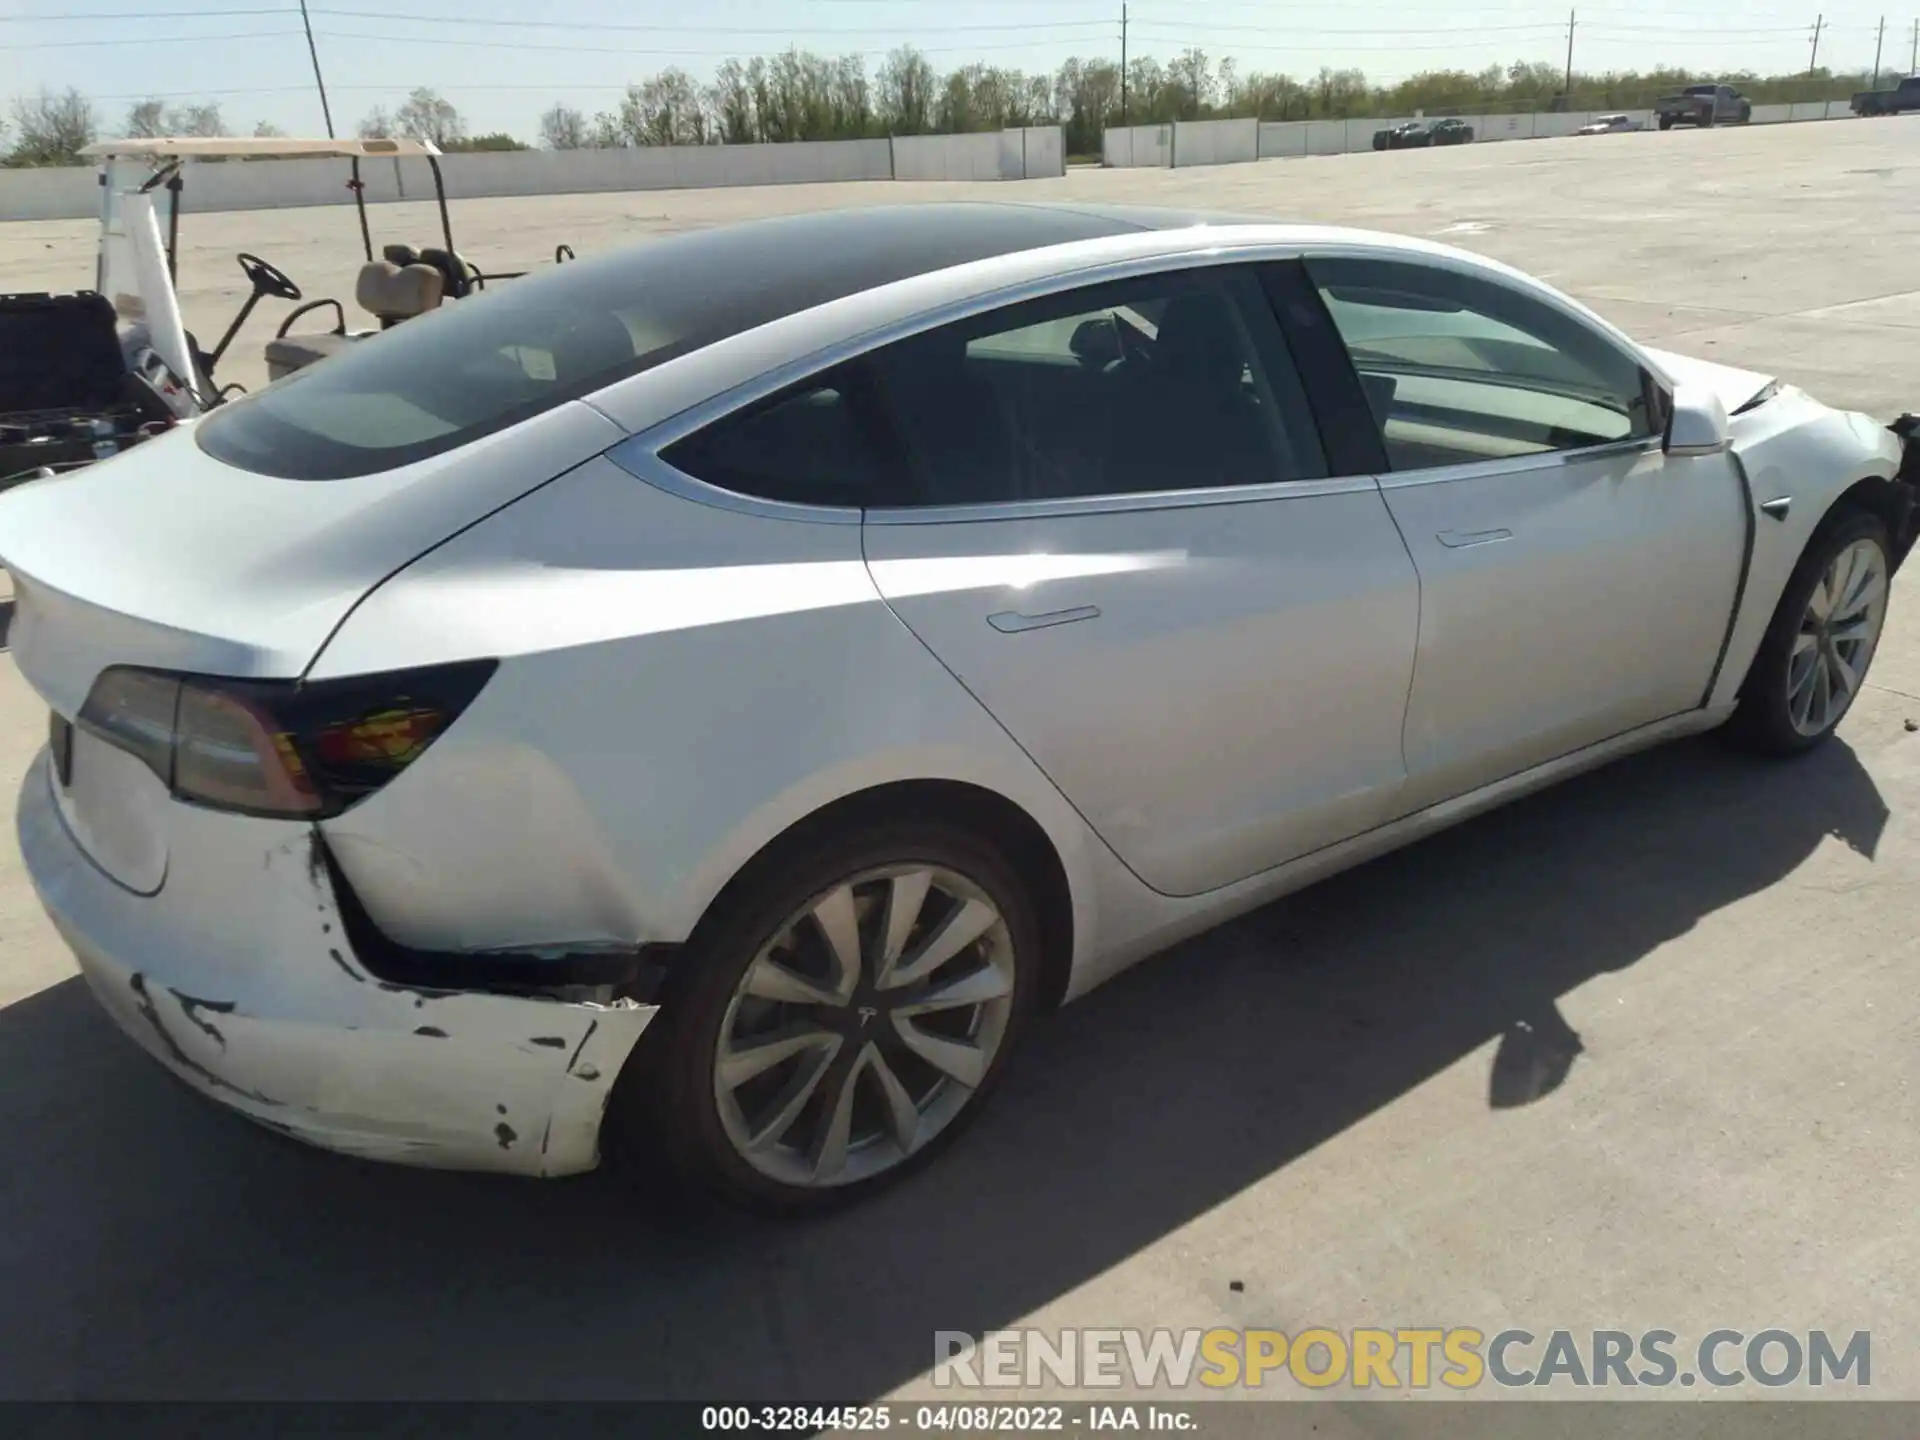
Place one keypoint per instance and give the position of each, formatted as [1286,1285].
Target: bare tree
[427,116]
[563,128]
[666,109]
[906,88]
[201,119]
[54,128]
[146,118]
[377,124]
[730,98]
[266,129]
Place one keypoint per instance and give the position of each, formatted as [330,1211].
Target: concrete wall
[69,194]
[1219,142]
[1004,155]
[1131,147]
[1046,151]
[1216,142]
[48,194]
[947,157]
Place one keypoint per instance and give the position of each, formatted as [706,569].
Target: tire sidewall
[664,1104]
[1763,714]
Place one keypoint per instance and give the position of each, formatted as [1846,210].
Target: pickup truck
[1704,105]
[1904,96]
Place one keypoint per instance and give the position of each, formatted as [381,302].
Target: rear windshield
[448,377]
[478,365]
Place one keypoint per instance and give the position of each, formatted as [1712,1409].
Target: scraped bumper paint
[237,976]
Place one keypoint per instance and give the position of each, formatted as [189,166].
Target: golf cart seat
[288,353]
[388,292]
[460,276]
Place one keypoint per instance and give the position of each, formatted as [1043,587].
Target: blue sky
[503,63]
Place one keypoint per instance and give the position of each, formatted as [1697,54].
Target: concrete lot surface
[1362,1106]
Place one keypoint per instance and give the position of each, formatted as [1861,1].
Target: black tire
[1762,723]
[664,1107]
[1666,122]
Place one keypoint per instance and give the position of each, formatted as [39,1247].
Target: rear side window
[812,445]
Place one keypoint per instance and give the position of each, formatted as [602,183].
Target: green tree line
[800,95]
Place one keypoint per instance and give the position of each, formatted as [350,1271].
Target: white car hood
[1734,387]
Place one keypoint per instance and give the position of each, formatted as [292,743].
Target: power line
[125,15]
[692,54]
[401,15]
[153,40]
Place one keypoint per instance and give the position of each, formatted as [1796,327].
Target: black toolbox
[66,395]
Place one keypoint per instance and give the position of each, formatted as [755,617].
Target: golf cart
[137,269]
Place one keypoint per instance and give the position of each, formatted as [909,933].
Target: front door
[1123,542]
[1576,582]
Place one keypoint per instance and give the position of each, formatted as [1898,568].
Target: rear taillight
[279,748]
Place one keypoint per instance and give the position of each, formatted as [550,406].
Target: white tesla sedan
[704,700]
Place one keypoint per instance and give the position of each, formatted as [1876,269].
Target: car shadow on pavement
[153,1246]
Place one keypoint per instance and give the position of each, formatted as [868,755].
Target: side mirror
[1696,423]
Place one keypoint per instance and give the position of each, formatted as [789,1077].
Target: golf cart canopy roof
[253,147]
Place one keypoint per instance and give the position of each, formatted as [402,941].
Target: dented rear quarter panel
[697,679]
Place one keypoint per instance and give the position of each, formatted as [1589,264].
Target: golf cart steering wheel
[266,280]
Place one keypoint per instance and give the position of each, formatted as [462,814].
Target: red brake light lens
[279,748]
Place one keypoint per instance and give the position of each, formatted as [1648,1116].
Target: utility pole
[1913,60]
[1876,52]
[325,110]
[1813,60]
[1123,66]
[1568,89]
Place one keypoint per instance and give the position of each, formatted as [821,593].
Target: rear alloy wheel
[1814,657]
[844,1026]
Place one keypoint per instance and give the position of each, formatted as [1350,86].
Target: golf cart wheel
[846,1010]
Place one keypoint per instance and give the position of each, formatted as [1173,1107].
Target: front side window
[1168,382]
[1459,369]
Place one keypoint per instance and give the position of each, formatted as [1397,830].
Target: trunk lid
[168,557]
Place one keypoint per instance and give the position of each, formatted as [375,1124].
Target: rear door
[1120,535]
[1576,582]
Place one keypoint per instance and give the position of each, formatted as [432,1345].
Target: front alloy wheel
[1813,659]
[1838,631]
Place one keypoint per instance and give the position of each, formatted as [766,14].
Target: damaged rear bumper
[238,976]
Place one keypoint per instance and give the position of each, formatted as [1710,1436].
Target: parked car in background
[1610,125]
[1902,97]
[1419,134]
[1704,105]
